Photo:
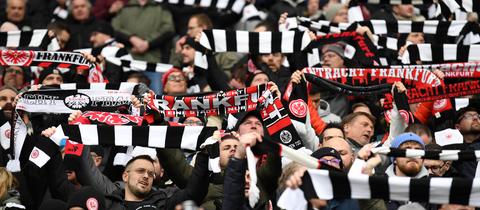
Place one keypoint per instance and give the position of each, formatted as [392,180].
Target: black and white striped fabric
[462,155]
[233,5]
[327,185]
[71,96]
[182,137]
[136,65]
[254,42]
[440,28]
[441,53]
[107,52]
[36,38]
[414,2]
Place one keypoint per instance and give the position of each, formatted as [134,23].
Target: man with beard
[468,123]
[406,167]
[7,97]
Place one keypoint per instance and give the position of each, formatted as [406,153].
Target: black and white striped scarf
[72,96]
[179,137]
[218,40]
[462,155]
[327,185]
[441,53]
[234,5]
[35,39]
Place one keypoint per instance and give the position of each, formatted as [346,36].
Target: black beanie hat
[45,72]
[87,198]
[104,28]
[53,204]
[327,151]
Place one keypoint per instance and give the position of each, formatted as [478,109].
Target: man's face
[416,38]
[273,60]
[436,167]
[15,10]
[53,79]
[80,10]
[227,150]
[259,79]
[63,37]
[404,10]
[251,124]
[360,130]
[6,99]
[469,123]
[194,28]
[98,39]
[343,148]
[331,133]
[138,178]
[13,76]
[332,60]
[188,54]
[176,84]
[409,166]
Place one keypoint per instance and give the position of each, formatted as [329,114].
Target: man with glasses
[174,82]
[332,130]
[468,123]
[14,76]
[436,167]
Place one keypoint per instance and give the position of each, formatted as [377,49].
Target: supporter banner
[36,38]
[136,65]
[234,101]
[438,28]
[429,93]
[462,155]
[182,137]
[371,76]
[254,42]
[43,59]
[441,53]
[92,97]
[451,70]
[327,185]
[233,5]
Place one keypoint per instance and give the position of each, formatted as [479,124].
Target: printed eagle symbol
[77,101]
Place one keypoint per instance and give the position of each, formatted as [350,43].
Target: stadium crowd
[341,129]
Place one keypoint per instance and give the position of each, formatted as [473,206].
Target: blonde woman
[9,197]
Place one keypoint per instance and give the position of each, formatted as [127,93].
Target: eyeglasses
[142,171]
[435,169]
[333,161]
[470,117]
[176,78]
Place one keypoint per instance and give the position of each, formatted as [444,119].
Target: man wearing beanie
[102,35]
[333,56]
[174,82]
[50,76]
